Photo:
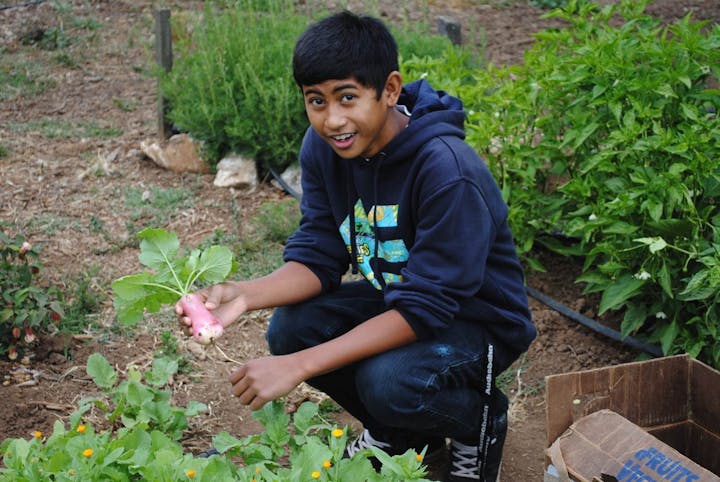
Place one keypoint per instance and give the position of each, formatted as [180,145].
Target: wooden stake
[163,51]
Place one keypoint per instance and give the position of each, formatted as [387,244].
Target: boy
[390,188]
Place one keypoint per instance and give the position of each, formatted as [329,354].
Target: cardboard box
[674,399]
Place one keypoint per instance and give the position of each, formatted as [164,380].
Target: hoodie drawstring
[350,181]
[351,192]
[376,259]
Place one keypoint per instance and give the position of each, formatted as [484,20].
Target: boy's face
[350,117]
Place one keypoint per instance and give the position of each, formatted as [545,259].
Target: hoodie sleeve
[317,243]
[458,215]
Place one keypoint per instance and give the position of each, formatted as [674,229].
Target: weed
[276,221]
[154,206]
[169,348]
[126,105]
[20,76]
[63,129]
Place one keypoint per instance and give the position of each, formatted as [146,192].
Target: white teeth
[342,137]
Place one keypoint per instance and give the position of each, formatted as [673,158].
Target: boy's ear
[393,88]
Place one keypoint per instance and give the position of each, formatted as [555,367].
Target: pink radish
[206,326]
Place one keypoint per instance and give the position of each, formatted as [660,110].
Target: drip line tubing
[594,325]
[564,310]
[20,5]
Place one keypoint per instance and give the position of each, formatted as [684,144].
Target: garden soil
[64,191]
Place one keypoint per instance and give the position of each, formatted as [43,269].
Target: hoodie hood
[433,112]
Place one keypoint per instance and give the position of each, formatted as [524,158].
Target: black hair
[346,45]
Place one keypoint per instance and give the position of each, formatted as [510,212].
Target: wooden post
[450,28]
[164,55]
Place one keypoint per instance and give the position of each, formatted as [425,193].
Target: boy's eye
[348,97]
[316,101]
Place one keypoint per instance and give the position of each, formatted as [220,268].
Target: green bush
[609,136]
[233,89]
[231,86]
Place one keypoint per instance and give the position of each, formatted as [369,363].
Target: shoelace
[464,463]
[364,441]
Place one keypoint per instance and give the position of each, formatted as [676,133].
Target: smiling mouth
[343,141]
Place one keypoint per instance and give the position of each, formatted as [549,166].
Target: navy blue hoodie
[423,221]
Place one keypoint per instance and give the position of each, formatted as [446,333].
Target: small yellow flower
[327,464]
[71,472]
[81,428]
[315,475]
[190,473]
[257,470]
[337,433]
[37,435]
[88,452]
[419,457]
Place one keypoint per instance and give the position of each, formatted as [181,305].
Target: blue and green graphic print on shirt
[393,250]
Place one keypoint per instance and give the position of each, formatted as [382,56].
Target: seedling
[173,279]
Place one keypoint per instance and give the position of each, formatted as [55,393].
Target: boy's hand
[225,300]
[264,379]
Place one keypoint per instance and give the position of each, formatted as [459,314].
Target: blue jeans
[407,396]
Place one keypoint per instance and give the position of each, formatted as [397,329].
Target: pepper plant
[605,144]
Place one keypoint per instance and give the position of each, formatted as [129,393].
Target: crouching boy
[392,190]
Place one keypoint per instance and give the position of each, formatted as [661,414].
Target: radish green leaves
[172,275]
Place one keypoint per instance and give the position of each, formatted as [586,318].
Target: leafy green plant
[139,400]
[25,307]
[137,438]
[173,276]
[605,145]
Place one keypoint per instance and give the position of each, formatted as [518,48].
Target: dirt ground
[59,188]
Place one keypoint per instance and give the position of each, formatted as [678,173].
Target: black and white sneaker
[436,456]
[467,462]
[364,441]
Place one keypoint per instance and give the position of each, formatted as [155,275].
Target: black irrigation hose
[594,325]
[555,305]
[20,5]
[285,185]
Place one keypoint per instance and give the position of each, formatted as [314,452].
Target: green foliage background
[605,143]
[233,90]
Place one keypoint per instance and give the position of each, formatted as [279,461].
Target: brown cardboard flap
[705,396]
[605,443]
[648,393]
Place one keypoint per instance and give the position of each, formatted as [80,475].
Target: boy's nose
[335,118]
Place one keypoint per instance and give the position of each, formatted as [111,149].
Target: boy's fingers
[213,297]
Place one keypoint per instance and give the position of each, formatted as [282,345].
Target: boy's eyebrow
[349,85]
